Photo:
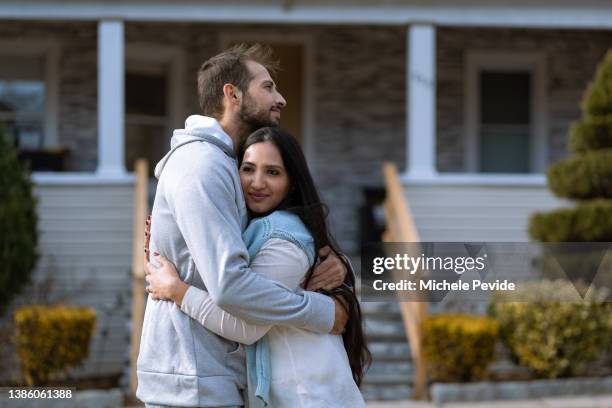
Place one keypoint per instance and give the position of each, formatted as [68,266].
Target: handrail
[401,228]
[141,170]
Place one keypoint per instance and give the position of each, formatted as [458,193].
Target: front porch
[378,84]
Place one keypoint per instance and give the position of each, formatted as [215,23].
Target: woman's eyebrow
[274,166]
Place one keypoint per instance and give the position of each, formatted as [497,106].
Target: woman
[289,367]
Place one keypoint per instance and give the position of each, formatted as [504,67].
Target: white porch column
[421,100]
[111,125]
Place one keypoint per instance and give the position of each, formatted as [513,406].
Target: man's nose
[280,100]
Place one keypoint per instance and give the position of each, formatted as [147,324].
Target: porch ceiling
[492,13]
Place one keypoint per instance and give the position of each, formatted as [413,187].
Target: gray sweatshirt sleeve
[203,203]
[278,260]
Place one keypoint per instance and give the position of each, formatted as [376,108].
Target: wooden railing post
[400,228]
[141,170]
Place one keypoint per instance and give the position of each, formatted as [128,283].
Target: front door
[290,83]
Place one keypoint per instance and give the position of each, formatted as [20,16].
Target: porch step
[386,393]
[391,330]
[390,351]
[390,375]
[390,372]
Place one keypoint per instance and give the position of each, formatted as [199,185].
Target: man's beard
[253,117]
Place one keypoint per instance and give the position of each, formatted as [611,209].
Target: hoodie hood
[198,129]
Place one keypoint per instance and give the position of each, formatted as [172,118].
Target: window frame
[50,51]
[532,62]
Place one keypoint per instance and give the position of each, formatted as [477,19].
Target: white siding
[475,212]
[85,246]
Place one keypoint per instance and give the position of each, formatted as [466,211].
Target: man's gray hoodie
[198,217]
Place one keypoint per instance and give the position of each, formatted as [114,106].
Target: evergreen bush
[591,134]
[583,177]
[589,221]
[557,337]
[587,176]
[18,225]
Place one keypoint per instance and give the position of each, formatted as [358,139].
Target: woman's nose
[258,181]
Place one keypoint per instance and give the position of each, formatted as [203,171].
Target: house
[471,98]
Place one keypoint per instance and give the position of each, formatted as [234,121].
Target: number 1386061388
[38,393]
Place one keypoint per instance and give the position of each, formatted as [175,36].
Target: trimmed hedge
[553,338]
[591,134]
[588,221]
[458,347]
[598,98]
[587,175]
[18,225]
[52,339]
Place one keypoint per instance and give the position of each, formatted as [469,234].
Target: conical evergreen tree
[587,176]
[18,225]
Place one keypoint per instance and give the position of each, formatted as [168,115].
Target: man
[199,214]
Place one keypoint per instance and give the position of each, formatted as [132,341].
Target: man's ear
[232,93]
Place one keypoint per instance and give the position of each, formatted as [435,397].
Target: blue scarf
[287,226]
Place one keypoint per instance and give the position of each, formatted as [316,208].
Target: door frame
[278,36]
[175,89]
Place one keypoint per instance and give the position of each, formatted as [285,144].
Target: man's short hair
[229,67]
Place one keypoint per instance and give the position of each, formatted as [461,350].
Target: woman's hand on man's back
[329,274]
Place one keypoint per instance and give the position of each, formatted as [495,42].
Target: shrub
[52,339]
[18,226]
[553,338]
[591,134]
[458,347]
[598,98]
[588,175]
[588,221]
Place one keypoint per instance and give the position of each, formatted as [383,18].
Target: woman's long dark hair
[304,201]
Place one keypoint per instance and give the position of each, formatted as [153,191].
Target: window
[504,122]
[505,113]
[29,101]
[22,100]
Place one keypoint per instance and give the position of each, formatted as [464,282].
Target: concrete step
[385,372]
[383,329]
[391,374]
[387,380]
[390,351]
[382,309]
[388,393]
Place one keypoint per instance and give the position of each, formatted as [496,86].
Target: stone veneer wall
[359,108]
[359,92]
[571,57]
[360,117]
